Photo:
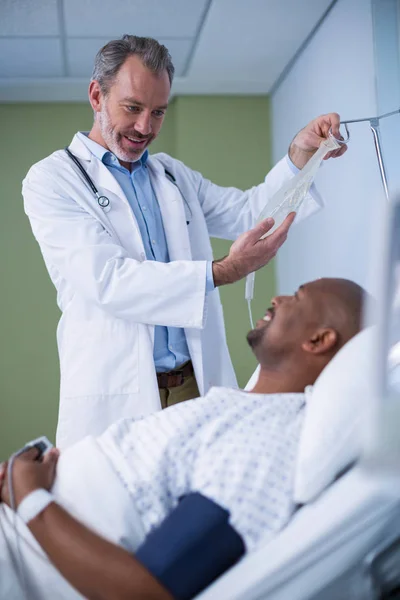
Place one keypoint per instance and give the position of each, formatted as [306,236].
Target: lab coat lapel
[172,210]
[97,171]
[120,216]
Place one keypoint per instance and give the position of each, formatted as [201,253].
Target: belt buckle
[179,377]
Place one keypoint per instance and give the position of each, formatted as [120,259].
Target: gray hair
[112,56]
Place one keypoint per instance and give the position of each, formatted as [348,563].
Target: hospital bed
[345,544]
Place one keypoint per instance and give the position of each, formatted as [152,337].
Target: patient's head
[300,334]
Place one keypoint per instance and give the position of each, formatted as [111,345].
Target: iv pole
[374,124]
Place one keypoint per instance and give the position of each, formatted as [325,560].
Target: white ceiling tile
[28,17]
[153,18]
[33,57]
[257,42]
[243,46]
[81,54]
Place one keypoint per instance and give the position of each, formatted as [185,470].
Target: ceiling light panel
[153,18]
[28,17]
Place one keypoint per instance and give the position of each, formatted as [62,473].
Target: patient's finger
[3,474]
[3,470]
[49,464]
[30,455]
[51,457]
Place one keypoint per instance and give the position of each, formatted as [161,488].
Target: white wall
[387,64]
[335,73]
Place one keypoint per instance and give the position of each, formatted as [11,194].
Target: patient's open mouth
[269,315]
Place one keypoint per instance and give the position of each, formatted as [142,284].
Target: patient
[229,451]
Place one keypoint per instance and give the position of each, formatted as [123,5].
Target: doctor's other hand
[249,253]
[309,139]
[28,474]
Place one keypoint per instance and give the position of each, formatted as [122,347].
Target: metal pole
[374,124]
[389,114]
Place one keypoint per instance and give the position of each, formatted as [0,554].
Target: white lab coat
[111,297]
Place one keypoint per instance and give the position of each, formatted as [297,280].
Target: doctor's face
[130,115]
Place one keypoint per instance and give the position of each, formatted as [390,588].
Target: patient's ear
[323,340]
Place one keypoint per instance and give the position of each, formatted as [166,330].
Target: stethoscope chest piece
[104,203]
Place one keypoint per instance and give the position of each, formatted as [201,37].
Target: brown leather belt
[175,378]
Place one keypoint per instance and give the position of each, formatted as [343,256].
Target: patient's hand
[28,474]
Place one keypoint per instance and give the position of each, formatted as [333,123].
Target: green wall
[210,136]
[206,133]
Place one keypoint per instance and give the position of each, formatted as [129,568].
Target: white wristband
[33,504]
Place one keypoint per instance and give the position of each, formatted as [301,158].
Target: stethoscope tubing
[103,201]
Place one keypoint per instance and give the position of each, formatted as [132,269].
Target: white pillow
[253,380]
[335,410]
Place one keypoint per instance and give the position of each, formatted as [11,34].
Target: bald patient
[300,334]
[217,482]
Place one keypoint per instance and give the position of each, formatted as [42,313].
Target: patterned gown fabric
[238,449]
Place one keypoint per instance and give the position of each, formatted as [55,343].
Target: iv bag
[291,195]
[289,199]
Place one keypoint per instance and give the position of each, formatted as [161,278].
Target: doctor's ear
[95,95]
[323,340]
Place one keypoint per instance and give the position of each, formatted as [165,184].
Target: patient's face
[287,324]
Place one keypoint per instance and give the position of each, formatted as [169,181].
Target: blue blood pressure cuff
[192,547]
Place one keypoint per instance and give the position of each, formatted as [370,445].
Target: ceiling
[47,47]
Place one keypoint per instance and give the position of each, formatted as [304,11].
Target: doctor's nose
[143,124]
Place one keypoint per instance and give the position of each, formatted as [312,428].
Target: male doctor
[125,238]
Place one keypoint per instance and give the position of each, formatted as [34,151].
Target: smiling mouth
[266,319]
[269,315]
[138,142]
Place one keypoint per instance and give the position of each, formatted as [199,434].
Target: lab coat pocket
[100,359]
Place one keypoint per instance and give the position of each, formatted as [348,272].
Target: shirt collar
[103,154]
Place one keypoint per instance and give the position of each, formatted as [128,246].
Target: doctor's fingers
[266,248]
[326,123]
[254,235]
[280,234]
[260,231]
[336,153]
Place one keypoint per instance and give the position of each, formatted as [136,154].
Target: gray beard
[111,138]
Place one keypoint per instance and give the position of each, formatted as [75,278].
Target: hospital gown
[236,448]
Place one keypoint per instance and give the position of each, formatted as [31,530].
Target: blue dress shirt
[170,346]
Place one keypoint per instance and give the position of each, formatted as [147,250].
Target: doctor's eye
[133,108]
[158,113]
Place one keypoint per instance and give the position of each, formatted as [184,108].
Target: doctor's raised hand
[309,139]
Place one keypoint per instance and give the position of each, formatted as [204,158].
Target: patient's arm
[97,568]
[94,566]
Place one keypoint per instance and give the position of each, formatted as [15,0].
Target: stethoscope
[104,202]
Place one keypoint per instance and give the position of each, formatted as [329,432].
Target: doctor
[125,238]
